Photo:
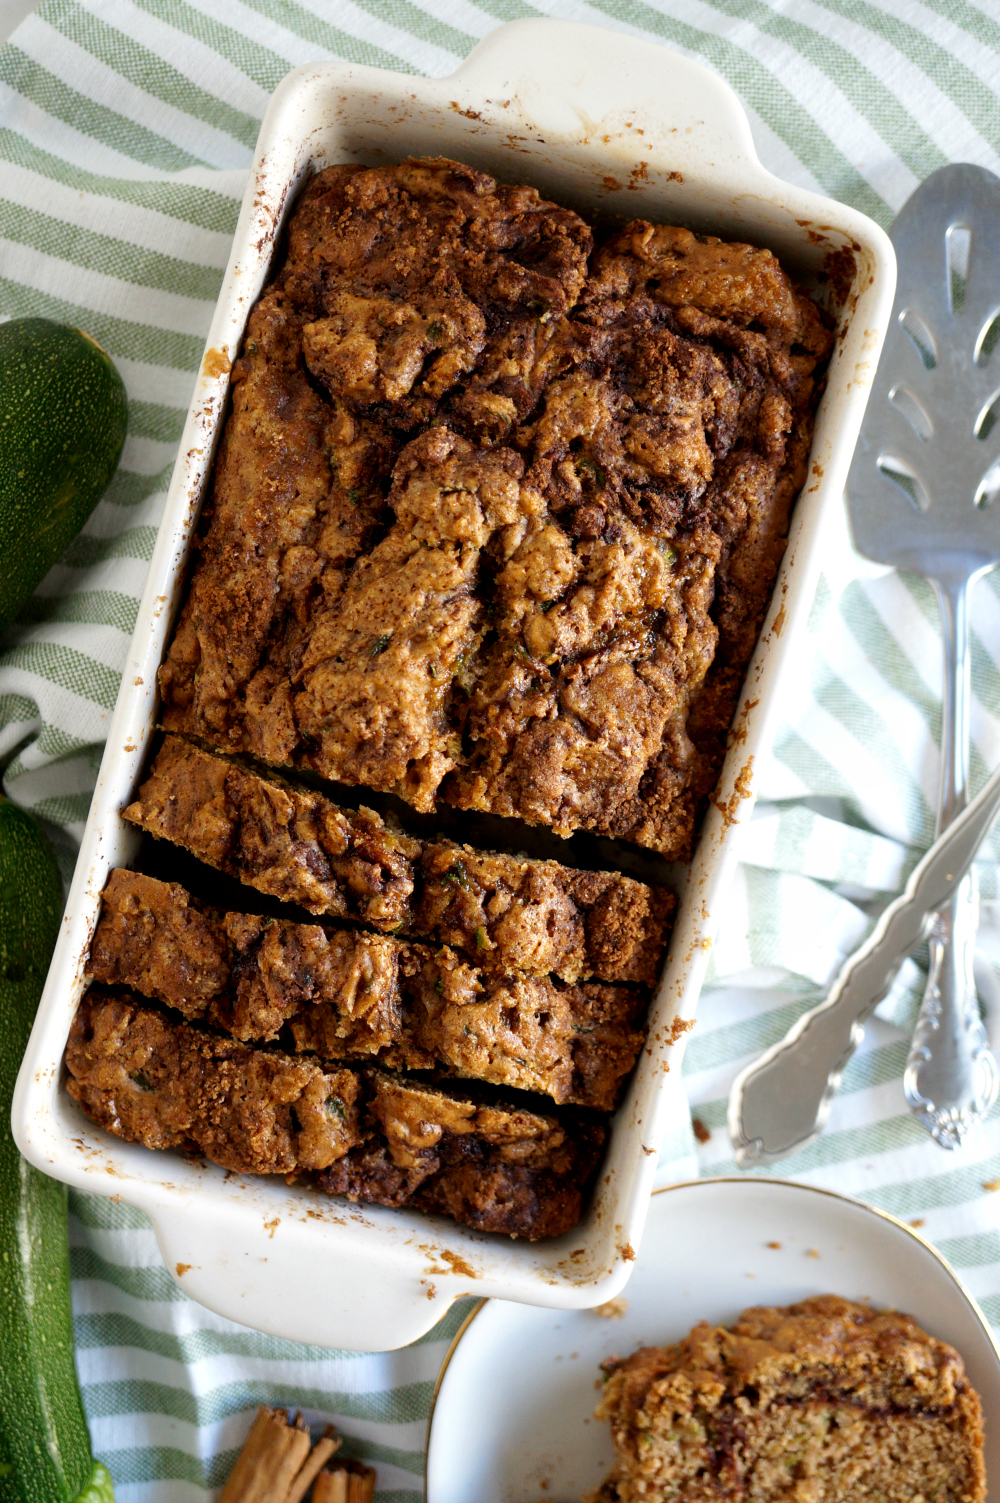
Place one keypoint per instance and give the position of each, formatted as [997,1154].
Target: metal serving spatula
[920,496]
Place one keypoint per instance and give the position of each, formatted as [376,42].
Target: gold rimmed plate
[512,1420]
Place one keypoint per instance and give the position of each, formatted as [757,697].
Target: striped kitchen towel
[126,131]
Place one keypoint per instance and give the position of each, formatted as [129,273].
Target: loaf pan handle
[335,1300]
[598,84]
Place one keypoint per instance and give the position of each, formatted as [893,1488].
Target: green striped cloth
[126,131]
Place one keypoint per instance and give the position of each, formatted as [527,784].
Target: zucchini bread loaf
[496,516]
[494,522]
[823,1402]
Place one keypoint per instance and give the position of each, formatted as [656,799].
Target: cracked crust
[668,458]
[373,685]
[410,296]
[496,520]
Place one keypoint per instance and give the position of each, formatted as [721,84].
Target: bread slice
[508,913]
[826,1401]
[488,1162]
[348,994]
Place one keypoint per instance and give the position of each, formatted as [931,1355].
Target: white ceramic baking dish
[605,124]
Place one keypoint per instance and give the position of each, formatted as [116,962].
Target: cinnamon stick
[345,1482]
[270,1460]
[278,1464]
[321,1453]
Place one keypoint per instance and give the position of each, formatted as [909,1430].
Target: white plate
[512,1419]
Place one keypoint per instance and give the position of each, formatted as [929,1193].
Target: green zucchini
[63,415]
[45,1452]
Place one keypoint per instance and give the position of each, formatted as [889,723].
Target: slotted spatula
[920,496]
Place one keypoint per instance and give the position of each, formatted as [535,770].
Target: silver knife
[781,1102]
